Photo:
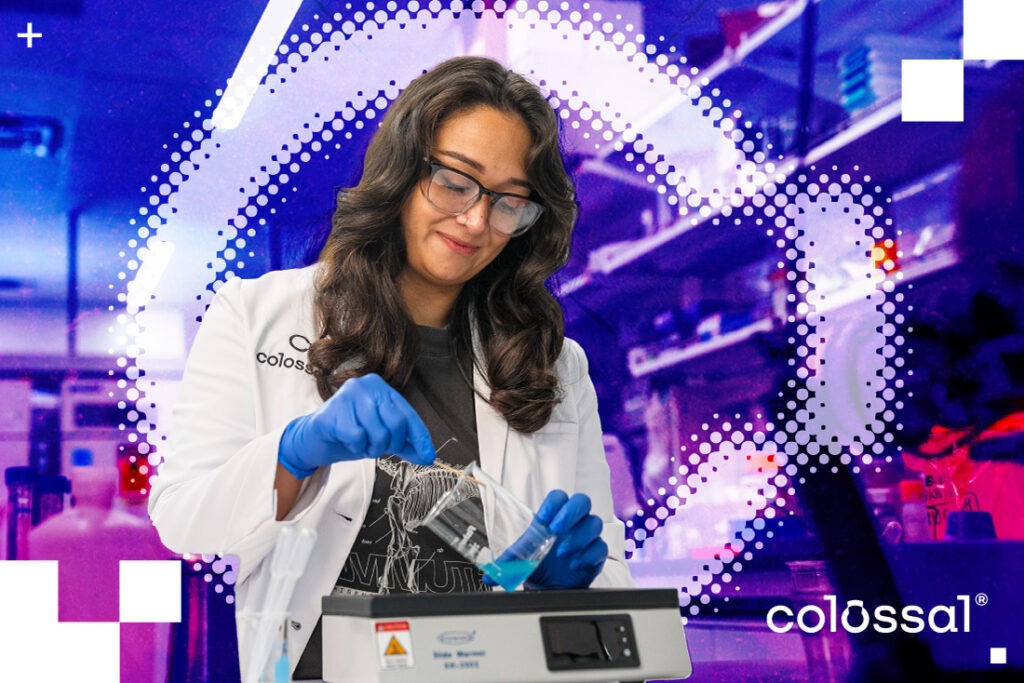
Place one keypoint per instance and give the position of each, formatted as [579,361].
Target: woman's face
[444,251]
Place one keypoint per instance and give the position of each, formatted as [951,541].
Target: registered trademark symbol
[981,599]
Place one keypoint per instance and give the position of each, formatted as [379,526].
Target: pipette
[289,559]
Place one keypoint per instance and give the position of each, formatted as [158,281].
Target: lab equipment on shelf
[19,482]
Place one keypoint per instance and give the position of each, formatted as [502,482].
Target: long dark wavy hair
[364,324]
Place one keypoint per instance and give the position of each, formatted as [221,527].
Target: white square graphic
[29,590]
[997,655]
[933,90]
[30,633]
[150,591]
[89,652]
[992,29]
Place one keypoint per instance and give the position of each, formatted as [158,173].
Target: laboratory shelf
[648,269]
[729,59]
[21,365]
[30,363]
[847,150]
[643,364]
[874,143]
[640,365]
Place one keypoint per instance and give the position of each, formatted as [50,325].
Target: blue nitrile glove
[365,418]
[578,554]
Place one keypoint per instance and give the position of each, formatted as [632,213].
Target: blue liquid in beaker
[509,573]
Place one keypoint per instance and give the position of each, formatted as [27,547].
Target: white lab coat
[245,379]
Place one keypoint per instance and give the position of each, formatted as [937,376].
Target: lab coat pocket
[349,489]
[558,427]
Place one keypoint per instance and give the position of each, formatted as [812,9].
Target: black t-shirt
[387,557]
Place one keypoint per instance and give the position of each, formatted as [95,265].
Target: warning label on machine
[394,644]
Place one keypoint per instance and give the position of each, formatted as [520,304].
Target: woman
[426,321]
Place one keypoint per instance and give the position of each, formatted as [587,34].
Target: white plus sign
[28,35]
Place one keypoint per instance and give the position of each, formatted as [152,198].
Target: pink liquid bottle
[88,541]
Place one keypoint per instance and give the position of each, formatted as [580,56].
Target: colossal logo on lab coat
[279,360]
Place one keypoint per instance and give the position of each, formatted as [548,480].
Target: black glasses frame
[482,191]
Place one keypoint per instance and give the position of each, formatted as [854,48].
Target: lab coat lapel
[491,428]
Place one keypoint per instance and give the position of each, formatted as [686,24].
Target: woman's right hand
[365,418]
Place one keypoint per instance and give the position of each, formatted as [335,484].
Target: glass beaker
[490,527]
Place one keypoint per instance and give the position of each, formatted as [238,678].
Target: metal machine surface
[520,637]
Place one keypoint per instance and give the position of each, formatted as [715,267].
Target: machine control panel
[602,641]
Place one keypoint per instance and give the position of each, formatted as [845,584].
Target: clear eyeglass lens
[510,214]
[452,192]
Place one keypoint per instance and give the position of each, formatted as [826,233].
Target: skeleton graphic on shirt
[414,490]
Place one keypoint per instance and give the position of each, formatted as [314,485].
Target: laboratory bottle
[19,481]
[88,541]
[884,503]
[48,500]
[914,513]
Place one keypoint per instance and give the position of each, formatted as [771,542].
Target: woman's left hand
[579,553]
